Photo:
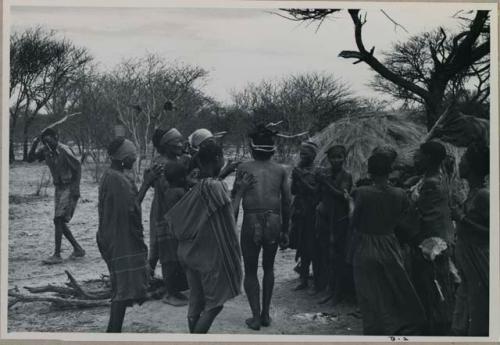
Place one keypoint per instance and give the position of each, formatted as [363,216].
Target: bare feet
[265,320]
[52,260]
[253,323]
[77,254]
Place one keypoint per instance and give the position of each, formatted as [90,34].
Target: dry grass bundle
[361,134]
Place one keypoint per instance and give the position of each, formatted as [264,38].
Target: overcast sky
[236,46]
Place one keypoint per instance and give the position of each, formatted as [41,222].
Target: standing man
[65,169]
[266,209]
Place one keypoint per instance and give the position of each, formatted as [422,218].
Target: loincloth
[65,203]
[261,226]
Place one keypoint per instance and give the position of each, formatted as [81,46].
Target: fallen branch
[51,288]
[97,295]
[58,302]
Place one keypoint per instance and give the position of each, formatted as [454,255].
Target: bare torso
[270,180]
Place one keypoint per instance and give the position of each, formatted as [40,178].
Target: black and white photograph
[245,168]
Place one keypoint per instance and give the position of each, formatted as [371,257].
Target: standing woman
[303,188]
[388,301]
[332,223]
[120,235]
[433,244]
[170,146]
[473,243]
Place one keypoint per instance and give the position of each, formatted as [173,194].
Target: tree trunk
[12,153]
[25,142]
[434,104]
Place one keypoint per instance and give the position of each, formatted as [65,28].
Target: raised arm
[33,154]
[150,176]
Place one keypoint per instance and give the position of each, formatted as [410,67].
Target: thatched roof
[362,133]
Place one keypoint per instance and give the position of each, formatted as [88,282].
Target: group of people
[392,250]
[396,250]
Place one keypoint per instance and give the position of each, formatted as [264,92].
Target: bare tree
[413,61]
[305,102]
[467,48]
[147,93]
[40,64]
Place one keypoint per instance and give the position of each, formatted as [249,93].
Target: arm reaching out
[33,154]
[243,182]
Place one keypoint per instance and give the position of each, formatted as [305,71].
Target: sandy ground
[31,240]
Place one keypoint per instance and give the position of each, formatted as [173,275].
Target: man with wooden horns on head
[266,213]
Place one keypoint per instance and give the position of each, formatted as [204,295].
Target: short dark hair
[379,164]
[209,152]
[478,156]
[434,150]
[114,145]
[50,132]
[337,147]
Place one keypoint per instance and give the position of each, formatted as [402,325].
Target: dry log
[95,295]
[61,290]
[61,303]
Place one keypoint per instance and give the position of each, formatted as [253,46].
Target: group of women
[397,250]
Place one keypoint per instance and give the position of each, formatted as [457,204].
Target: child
[175,278]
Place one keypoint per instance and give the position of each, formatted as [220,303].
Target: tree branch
[369,59]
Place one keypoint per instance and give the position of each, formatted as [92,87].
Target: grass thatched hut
[360,134]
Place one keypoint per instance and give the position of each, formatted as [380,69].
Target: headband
[170,135]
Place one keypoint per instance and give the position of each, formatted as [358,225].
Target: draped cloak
[203,223]
[120,237]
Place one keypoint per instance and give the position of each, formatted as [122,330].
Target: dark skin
[336,158]
[118,308]
[271,191]
[475,181]
[202,323]
[306,162]
[173,150]
[60,224]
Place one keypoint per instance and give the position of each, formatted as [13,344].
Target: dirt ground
[31,240]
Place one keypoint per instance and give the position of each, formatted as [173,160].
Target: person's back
[266,192]
[266,213]
[380,209]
